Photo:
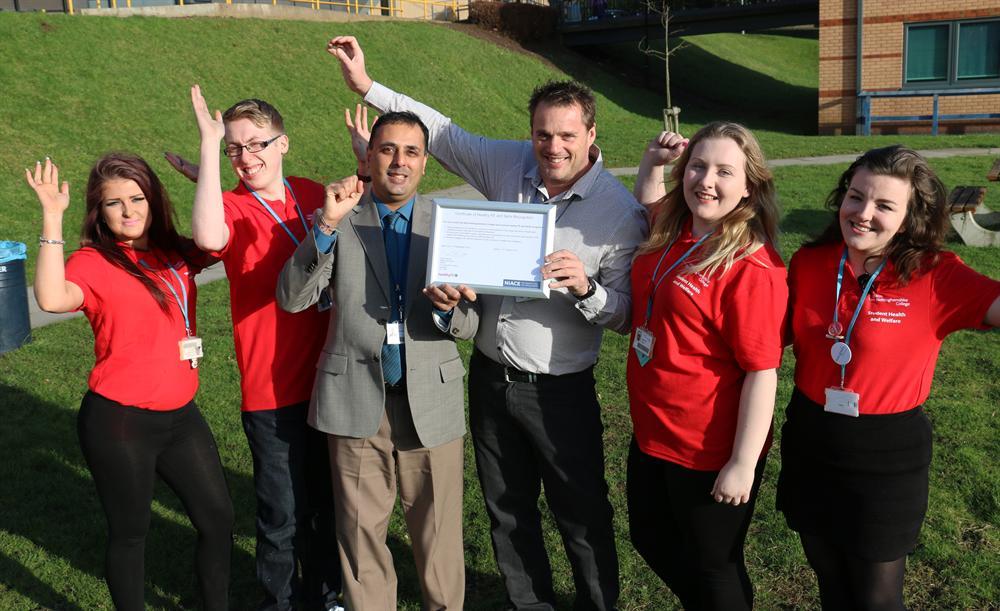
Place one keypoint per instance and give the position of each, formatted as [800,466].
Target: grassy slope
[77,87]
[82,86]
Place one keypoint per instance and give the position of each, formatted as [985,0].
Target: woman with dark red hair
[134,280]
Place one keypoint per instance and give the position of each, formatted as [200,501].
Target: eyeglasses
[235,150]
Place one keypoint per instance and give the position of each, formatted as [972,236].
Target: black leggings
[694,544]
[848,582]
[125,448]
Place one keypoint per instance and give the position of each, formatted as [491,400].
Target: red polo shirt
[276,351]
[709,332]
[135,342]
[898,334]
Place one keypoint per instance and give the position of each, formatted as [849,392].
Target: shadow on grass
[705,86]
[55,507]
[809,223]
[20,579]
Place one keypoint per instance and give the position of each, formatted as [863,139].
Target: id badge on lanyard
[325,302]
[644,338]
[191,350]
[643,344]
[394,329]
[841,400]
[190,347]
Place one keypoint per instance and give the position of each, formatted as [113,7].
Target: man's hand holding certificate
[496,248]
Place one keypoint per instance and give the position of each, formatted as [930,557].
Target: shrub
[522,22]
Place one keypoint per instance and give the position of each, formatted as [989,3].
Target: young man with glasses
[255,228]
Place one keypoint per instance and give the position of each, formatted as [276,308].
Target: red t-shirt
[898,334]
[276,351]
[709,332]
[135,343]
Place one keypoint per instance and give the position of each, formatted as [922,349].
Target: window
[952,54]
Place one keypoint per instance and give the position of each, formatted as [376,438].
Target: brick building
[934,46]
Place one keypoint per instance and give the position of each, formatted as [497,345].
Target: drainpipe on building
[859,36]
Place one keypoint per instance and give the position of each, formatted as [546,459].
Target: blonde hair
[750,225]
[258,112]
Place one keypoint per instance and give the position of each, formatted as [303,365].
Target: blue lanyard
[398,259]
[857,309]
[274,215]
[655,282]
[181,303]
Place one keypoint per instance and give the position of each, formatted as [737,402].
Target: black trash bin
[15,323]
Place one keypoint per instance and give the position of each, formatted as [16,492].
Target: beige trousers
[365,473]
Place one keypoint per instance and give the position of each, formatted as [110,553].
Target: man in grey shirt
[533,407]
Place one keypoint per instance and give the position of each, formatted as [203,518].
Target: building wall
[882,63]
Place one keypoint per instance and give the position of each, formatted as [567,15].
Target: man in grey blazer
[388,389]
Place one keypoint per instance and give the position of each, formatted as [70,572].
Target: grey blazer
[348,397]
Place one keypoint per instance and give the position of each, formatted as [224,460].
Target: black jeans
[694,544]
[125,449]
[547,432]
[295,523]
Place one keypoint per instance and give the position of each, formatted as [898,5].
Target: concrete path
[217,272]
[845,159]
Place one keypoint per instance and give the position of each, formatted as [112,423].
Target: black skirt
[859,482]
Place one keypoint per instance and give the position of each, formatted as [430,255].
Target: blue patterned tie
[392,369]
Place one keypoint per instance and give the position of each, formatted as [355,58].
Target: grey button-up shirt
[597,219]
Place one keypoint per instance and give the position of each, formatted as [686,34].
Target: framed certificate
[496,248]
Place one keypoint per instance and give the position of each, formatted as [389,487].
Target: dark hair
[259,112]
[920,238]
[162,233]
[399,118]
[565,93]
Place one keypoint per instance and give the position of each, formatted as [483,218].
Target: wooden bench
[966,199]
[994,173]
[967,212]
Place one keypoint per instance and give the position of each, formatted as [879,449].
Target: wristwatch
[591,289]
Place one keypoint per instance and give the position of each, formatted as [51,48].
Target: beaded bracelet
[325,228]
[42,240]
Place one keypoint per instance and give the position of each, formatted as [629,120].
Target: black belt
[516,375]
[512,374]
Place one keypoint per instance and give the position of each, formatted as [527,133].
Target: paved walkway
[217,272]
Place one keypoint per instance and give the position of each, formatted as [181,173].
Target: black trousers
[694,544]
[126,448]
[295,519]
[545,432]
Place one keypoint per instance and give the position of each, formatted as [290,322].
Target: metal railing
[576,11]
[865,98]
[427,9]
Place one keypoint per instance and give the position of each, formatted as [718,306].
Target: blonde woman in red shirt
[708,306]
[134,280]
[871,301]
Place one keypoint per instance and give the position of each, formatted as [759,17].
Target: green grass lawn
[76,87]
[52,527]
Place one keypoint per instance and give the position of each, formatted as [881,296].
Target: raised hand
[665,148]
[188,169]
[359,132]
[352,62]
[45,181]
[211,128]
[341,197]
